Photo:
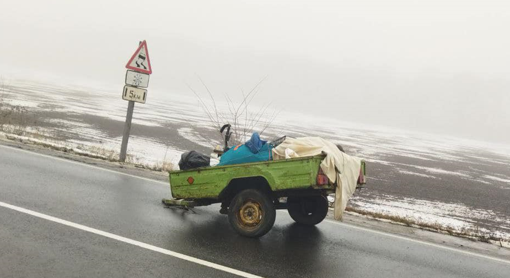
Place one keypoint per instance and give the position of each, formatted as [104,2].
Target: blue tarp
[255,144]
[244,154]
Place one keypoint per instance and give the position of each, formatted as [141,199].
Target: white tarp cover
[337,166]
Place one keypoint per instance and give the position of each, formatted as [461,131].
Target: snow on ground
[441,171]
[68,123]
[152,151]
[24,103]
[458,217]
[194,136]
[358,138]
[416,174]
[498,179]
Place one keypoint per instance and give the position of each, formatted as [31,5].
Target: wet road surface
[129,207]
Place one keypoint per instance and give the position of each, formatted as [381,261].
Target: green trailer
[250,193]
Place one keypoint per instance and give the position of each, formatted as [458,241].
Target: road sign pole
[138,80]
[127,129]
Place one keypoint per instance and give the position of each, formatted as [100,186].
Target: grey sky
[436,66]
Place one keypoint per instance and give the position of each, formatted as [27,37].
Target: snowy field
[446,181]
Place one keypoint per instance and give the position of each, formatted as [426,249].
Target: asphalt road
[66,219]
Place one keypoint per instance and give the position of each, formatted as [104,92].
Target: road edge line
[130,241]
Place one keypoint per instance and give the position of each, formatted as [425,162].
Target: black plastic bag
[193,159]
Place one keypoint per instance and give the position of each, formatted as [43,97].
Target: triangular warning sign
[140,60]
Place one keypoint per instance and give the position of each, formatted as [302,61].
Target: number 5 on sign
[134,94]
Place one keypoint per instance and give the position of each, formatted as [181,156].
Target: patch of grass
[14,119]
[95,152]
[163,166]
[378,215]
[470,233]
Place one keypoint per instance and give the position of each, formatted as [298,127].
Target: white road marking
[419,241]
[328,221]
[130,241]
[82,164]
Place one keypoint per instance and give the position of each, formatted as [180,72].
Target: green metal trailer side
[209,182]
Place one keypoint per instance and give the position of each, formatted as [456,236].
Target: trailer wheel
[308,210]
[251,213]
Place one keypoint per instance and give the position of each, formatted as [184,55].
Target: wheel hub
[250,213]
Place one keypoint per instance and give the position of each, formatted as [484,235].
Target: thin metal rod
[127,130]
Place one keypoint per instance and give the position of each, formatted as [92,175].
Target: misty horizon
[432,67]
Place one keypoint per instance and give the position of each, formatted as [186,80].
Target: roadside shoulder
[423,235]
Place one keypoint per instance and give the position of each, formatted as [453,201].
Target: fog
[433,66]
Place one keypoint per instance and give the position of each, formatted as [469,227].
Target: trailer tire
[251,213]
[308,210]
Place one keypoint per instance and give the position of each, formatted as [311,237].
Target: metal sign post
[127,130]
[137,80]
